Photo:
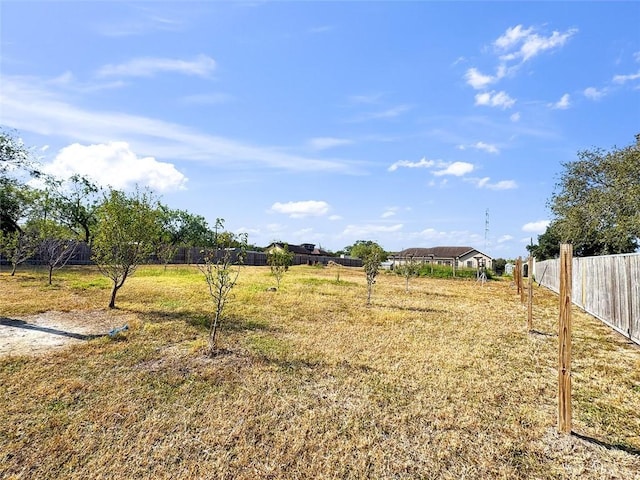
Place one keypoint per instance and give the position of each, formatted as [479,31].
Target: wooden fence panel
[607,287]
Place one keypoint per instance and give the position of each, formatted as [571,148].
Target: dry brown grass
[442,382]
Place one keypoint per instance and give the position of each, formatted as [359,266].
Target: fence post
[564,340]
[530,303]
[521,276]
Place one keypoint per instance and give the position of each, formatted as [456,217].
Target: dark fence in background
[191,255]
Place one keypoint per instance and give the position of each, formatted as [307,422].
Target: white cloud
[626,78]
[485,147]
[116,165]
[636,56]
[456,168]
[523,44]
[593,93]
[485,182]
[323,143]
[308,208]
[536,227]
[335,217]
[563,103]
[201,66]
[478,80]
[512,37]
[30,105]
[424,163]
[493,99]
[505,238]
[515,117]
[389,212]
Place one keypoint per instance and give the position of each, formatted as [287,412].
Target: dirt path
[36,334]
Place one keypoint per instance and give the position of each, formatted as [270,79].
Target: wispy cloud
[423,163]
[501,185]
[536,227]
[321,29]
[201,66]
[485,147]
[141,23]
[505,238]
[626,78]
[307,208]
[593,93]
[562,104]
[367,98]
[515,117]
[215,98]
[388,113]
[30,105]
[520,44]
[323,143]
[495,99]
[366,230]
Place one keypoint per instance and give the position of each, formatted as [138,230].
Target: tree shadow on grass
[608,446]
[407,308]
[542,334]
[199,319]
[14,323]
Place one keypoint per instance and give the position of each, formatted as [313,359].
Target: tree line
[595,205]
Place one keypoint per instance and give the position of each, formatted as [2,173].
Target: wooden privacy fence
[607,287]
[189,255]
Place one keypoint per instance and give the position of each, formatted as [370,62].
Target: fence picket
[607,287]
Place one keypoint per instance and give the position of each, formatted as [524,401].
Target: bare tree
[221,268]
[55,253]
[337,267]
[409,267]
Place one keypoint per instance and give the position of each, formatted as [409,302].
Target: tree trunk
[50,273]
[112,302]
[13,269]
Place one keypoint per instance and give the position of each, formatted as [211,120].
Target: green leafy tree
[498,265]
[16,167]
[596,204]
[18,247]
[548,245]
[372,255]
[221,268]
[128,226]
[78,200]
[180,228]
[279,258]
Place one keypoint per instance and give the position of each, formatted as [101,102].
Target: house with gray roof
[461,257]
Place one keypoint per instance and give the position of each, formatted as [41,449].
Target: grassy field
[441,382]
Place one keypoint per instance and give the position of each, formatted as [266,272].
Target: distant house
[306,254]
[303,249]
[463,257]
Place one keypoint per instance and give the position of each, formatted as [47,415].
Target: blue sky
[413,124]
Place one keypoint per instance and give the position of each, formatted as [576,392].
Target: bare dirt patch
[41,333]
